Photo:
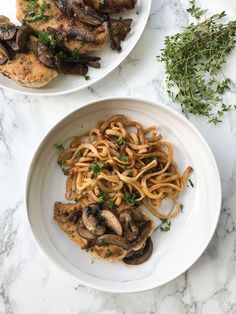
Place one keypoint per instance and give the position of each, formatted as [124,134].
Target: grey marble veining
[29,283]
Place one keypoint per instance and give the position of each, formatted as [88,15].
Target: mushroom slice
[66,66]
[7,31]
[91,220]
[87,14]
[130,228]
[20,42]
[113,239]
[45,55]
[81,34]
[118,30]
[4,55]
[62,5]
[85,233]
[112,221]
[112,6]
[140,256]
[145,230]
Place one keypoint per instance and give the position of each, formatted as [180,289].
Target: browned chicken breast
[82,37]
[28,71]
[114,235]
[111,6]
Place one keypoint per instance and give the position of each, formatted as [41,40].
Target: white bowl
[174,251]
[65,84]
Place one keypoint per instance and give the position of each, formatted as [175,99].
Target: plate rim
[89,84]
[218,187]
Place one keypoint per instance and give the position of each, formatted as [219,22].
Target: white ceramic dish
[174,251]
[66,84]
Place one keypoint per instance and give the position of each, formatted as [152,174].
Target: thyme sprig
[194,60]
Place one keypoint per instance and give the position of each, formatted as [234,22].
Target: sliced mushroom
[130,228]
[91,220]
[45,55]
[140,256]
[112,221]
[87,14]
[4,55]
[62,5]
[85,233]
[118,30]
[66,66]
[112,6]
[20,41]
[81,34]
[7,31]
[113,239]
[145,230]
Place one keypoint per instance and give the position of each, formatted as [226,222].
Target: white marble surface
[29,284]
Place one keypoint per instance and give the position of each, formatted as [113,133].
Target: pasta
[119,161]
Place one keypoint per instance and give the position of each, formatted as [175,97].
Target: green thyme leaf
[195,11]
[191,183]
[59,146]
[123,158]
[120,141]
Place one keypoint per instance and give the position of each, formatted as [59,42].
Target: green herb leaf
[79,154]
[181,208]
[47,39]
[123,158]
[36,12]
[87,77]
[195,11]
[130,198]
[96,167]
[120,141]
[166,224]
[191,183]
[59,146]
[102,197]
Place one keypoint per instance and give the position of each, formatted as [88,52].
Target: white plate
[65,84]
[174,251]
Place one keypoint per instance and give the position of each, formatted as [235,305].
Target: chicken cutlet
[82,37]
[28,71]
[113,235]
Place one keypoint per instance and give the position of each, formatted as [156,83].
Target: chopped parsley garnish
[120,141]
[59,146]
[130,198]
[150,159]
[96,167]
[62,55]
[166,224]
[5,26]
[102,197]
[79,154]
[47,39]
[108,254]
[191,183]
[74,54]
[182,208]
[123,158]
[87,77]
[36,12]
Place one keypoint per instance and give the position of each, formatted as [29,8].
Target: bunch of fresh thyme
[194,60]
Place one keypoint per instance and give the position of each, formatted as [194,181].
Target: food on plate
[73,33]
[56,37]
[112,6]
[111,170]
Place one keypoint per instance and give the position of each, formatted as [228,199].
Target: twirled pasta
[121,161]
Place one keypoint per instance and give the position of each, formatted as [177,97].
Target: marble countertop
[29,283]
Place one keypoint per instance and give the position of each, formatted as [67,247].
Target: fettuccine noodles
[119,162]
